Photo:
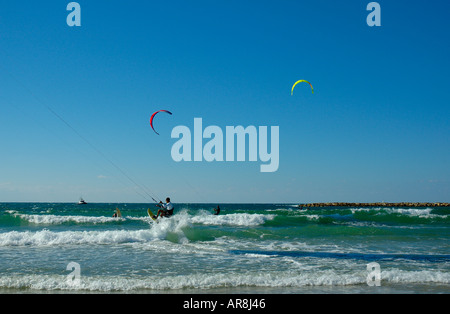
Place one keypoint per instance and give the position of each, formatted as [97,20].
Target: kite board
[119,214]
[152,216]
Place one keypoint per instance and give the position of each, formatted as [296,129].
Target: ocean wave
[50,238]
[57,220]
[218,280]
[422,213]
[172,229]
[204,218]
[244,220]
[195,281]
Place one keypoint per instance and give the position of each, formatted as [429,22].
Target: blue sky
[376,128]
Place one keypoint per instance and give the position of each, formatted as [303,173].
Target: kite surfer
[166,209]
[217,211]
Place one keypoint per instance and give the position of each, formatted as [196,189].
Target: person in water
[217,211]
[166,209]
[116,214]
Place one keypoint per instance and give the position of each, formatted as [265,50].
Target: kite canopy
[153,115]
[302,81]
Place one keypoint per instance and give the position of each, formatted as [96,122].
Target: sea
[247,249]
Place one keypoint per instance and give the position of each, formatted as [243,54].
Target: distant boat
[82,202]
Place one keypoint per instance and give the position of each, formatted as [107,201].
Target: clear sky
[376,129]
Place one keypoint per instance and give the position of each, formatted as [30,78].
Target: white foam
[216,280]
[157,231]
[423,213]
[244,220]
[198,281]
[49,238]
[203,217]
[312,217]
[56,220]
[423,276]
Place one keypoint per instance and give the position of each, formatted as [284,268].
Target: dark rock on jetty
[404,204]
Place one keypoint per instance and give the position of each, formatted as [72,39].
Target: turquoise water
[262,248]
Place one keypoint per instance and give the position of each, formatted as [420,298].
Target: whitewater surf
[263,248]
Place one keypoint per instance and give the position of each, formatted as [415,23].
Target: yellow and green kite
[302,81]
